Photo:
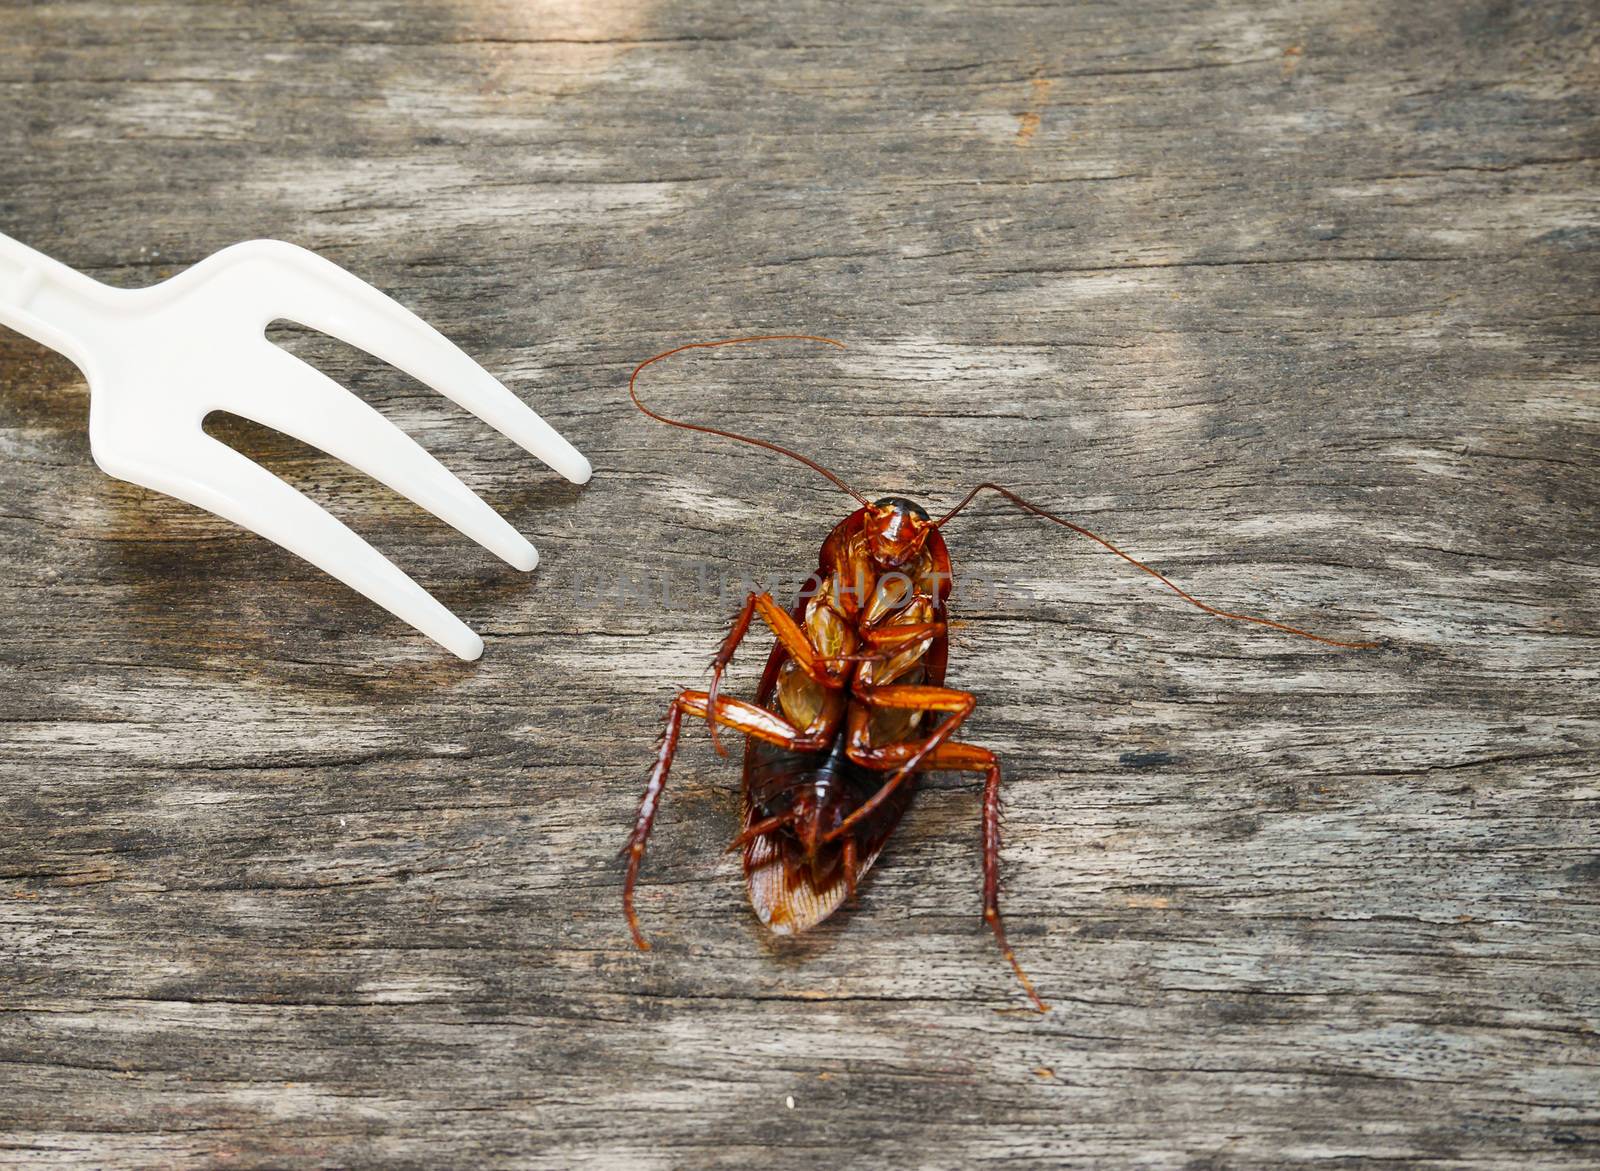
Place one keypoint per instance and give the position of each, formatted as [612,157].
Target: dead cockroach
[852,705]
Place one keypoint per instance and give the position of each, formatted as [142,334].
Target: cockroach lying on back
[852,706]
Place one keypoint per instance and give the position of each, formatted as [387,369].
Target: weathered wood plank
[1296,301]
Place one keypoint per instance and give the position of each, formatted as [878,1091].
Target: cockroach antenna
[633,393]
[1026,505]
[1029,506]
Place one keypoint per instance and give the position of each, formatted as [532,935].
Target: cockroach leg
[849,852]
[788,632]
[958,757]
[904,758]
[648,805]
[724,656]
[764,826]
[893,637]
[754,721]
[991,875]
[731,713]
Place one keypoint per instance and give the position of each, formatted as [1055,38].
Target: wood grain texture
[1295,300]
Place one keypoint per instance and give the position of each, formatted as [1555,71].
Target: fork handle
[55,305]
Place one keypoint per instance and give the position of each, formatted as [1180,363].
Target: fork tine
[284,393]
[327,298]
[215,477]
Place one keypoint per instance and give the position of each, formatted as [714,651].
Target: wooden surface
[1297,301]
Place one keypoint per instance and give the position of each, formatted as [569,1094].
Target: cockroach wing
[782,891]
[787,896]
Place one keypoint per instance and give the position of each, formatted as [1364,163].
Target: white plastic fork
[159,359]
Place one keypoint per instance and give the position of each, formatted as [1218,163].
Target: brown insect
[852,706]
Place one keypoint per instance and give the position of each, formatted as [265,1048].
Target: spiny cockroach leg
[904,758]
[959,757]
[732,713]
[648,805]
[754,721]
[991,874]
[789,633]
[764,826]
[724,656]
[894,637]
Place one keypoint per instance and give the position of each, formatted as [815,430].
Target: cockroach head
[897,529]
